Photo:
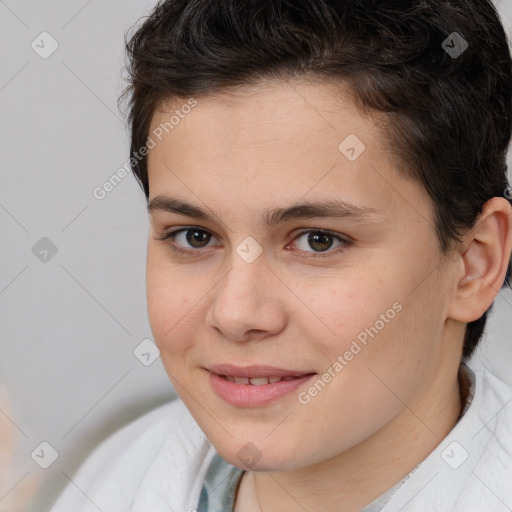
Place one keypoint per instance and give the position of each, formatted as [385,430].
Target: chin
[257,465]
[255,457]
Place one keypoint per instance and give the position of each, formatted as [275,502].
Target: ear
[484,261]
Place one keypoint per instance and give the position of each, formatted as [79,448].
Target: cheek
[354,309]
[375,324]
[171,296]
[389,356]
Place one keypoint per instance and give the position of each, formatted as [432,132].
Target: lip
[256,371]
[248,395]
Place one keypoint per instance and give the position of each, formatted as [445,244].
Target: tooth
[230,378]
[242,380]
[258,381]
[274,379]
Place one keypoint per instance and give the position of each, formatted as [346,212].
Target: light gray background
[69,326]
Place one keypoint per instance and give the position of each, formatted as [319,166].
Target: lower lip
[247,395]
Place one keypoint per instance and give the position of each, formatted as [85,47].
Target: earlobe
[486,259]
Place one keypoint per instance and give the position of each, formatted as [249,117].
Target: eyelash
[171,235]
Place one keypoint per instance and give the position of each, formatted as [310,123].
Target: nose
[247,302]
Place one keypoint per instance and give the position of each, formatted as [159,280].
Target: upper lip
[255,371]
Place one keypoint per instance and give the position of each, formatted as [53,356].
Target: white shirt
[158,463]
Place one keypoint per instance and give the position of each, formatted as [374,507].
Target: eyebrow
[331,208]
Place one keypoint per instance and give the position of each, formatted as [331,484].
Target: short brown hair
[448,113]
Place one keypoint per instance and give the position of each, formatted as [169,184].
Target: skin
[270,146]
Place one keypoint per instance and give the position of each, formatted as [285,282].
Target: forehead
[271,143]
[270,113]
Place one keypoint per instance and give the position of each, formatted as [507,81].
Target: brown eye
[197,237]
[187,239]
[320,241]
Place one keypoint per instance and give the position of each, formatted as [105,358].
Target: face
[343,297]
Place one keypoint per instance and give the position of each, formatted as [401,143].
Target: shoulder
[471,468]
[488,484]
[164,443]
[142,437]
[494,394]
[494,409]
